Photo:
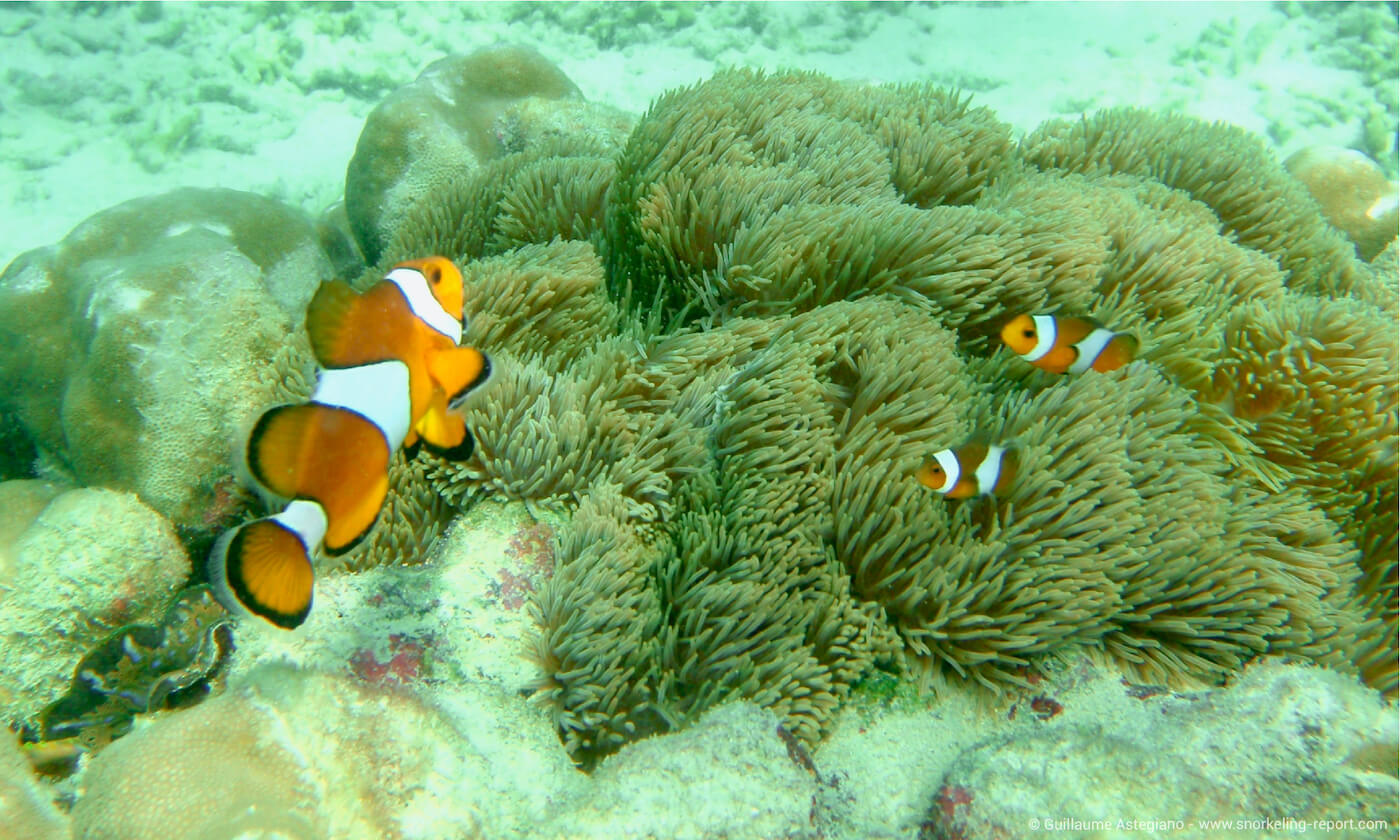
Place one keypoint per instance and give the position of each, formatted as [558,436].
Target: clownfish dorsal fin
[329,322]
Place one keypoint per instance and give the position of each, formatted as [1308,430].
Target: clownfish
[1060,344]
[392,371]
[974,469]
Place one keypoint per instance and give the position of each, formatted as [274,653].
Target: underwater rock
[26,809]
[133,351]
[1284,742]
[304,755]
[460,112]
[91,560]
[1355,195]
[737,775]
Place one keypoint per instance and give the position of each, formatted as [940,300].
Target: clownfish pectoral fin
[444,431]
[329,321]
[458,370]
[263,568]
[326,454]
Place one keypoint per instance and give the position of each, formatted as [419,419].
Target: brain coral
[806,280]
[131,352]
[460,113]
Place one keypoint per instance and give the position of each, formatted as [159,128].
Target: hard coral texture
[808,280]
[1354,194]
[133,350]
[26,808]
[300,755]
[87,562]
[462,112]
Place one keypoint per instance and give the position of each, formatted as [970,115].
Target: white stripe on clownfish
[420,299]
[377,392]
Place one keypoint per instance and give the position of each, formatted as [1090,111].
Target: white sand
[102,104]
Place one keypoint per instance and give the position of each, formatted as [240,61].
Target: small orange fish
[1060,344]
[392,370]
[970,470]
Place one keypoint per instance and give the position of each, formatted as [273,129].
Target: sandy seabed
[106,102]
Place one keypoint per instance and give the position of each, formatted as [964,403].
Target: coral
[91,561]
[217,770]
[458,114]
[1238,756]
[1354,193]
[25,807]
[135,349]
[299,754]
[732,761]
[22,501]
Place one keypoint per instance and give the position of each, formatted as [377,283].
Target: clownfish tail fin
[263,568]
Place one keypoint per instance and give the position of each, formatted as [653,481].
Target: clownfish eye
[434,274]
[1030,333]
[935,469]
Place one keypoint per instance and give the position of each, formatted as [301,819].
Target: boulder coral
[461,112]
[806,280]
[81,563]
[1354,194]
[132,352]
[25,807]
[305,755]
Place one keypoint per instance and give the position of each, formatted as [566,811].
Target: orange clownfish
[1061,344]
[392,370]
[970,470]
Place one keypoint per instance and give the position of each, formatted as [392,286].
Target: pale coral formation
[89,561]
[27,811]
[139,346]
[220,770]
[1355,196]
[461,112]
[303,755]
[1180,763]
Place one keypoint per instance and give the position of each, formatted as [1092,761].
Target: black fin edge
[233,572]
[460,452]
